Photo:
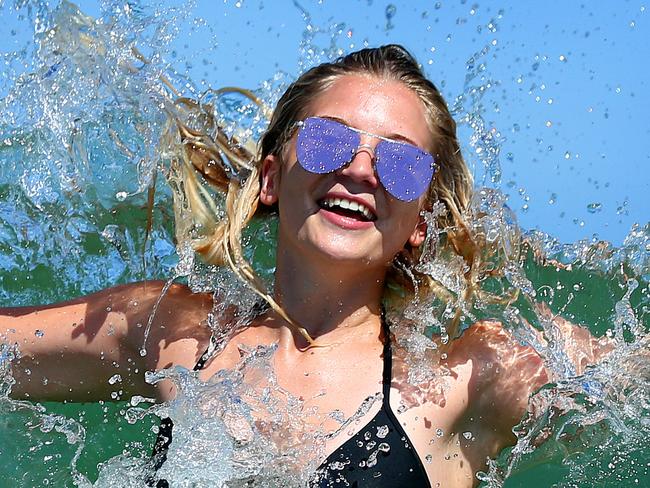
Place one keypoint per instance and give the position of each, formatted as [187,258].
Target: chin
[352,251]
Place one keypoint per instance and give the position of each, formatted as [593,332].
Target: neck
[331,301]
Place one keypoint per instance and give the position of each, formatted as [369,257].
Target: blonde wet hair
[199,146]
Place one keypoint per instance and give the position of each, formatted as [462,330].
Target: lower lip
[345,222]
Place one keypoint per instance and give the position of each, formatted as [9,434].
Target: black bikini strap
[388,360]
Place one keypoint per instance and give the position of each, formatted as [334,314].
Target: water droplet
[143,352]
[382,431]
[121,196]
[467,435]
[39,333]
[563,58]
[594,207]
[383,447]
[391,10]
[114,379]
[439,432]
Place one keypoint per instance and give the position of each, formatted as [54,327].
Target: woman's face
[312,222]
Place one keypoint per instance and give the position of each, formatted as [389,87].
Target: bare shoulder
[463,410]
[489,381]
[501,364]
[171,324]
[505,373]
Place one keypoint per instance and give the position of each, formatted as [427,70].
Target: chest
[322,400]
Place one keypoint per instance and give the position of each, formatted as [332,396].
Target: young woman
[356,153]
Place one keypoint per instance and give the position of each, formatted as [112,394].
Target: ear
[270,180]
[419,232]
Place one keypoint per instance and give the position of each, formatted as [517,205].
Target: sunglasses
[325,145]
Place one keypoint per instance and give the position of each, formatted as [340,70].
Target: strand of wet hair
[222,246]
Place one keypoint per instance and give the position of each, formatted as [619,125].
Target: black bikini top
[379,455]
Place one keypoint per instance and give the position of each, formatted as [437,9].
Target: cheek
[411,222]
[409,212]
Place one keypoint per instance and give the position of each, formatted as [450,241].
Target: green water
[30,458]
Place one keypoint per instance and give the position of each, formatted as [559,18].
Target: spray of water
[79,128]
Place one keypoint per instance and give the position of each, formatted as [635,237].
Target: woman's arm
[505,373]
[89,348]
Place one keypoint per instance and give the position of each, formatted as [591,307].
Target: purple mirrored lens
[325,145]
[404,170]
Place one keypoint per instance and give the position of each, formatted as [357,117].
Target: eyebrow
[393,137]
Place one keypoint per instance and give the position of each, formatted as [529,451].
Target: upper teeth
[349,205]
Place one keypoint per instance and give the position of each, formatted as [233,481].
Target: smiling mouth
[347,208]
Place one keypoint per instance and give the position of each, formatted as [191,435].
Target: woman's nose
[362,167]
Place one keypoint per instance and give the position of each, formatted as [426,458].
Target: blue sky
[565,84]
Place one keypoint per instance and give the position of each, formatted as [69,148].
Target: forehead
[381,106]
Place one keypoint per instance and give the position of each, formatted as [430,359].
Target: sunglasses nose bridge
[360,167]
[365,148]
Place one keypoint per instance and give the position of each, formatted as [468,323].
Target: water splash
[73,174]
